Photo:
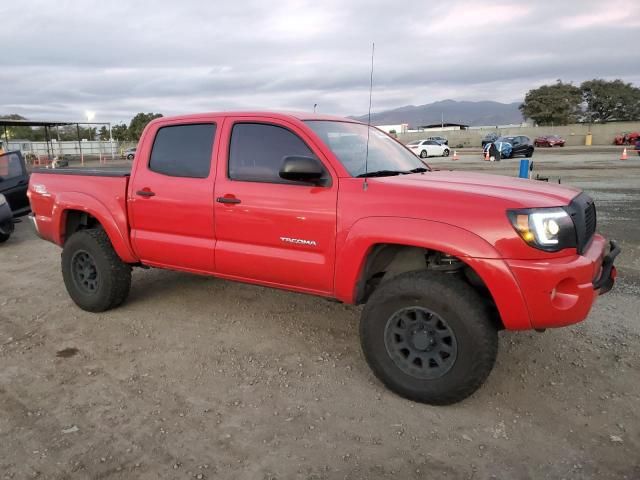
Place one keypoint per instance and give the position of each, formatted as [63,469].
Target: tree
[557,104]
[103,133]
[119,132]
[610,100]
[19,133]
[138,122]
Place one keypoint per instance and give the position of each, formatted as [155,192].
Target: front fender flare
[477,253]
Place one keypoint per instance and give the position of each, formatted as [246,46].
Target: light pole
[90,116]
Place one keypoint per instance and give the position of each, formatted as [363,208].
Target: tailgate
[53,193]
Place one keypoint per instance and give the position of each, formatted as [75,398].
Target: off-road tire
[114,276]
[453,300]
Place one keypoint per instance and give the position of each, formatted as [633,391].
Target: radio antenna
[366,156]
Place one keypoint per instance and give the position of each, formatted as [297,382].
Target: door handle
[231,200]
[145,193]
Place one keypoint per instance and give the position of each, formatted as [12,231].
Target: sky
[60,60]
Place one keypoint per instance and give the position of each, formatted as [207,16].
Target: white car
[428,148]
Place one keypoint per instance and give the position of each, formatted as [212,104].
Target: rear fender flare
[115,226]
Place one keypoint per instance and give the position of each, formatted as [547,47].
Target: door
[171,197]
[14,182]
[519,148]
[269,230]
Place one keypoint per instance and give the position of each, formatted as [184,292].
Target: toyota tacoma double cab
[336,208]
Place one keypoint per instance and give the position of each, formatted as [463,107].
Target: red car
[441,260]
[627,138]
[549,141]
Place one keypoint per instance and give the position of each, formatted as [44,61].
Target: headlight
[549,229]
[2,200]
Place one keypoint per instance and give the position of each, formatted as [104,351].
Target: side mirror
[299,168]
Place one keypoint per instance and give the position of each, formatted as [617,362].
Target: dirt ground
[201,378]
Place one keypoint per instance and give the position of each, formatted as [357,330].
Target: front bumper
[561,291]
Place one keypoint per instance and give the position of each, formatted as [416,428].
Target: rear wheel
[423,154]
[428,337]
[95,277]
[130,157]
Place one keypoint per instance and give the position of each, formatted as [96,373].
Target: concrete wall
[603,134]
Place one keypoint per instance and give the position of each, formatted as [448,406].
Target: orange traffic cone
[624,154]
[455,155]
[486,156]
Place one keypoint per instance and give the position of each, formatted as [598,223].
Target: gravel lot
[201,378]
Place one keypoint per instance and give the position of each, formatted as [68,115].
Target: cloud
[119,57]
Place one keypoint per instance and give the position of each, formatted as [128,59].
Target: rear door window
[183,150]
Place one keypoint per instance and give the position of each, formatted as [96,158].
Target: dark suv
[14,181]
[520,144]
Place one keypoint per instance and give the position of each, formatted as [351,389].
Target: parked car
[14,182]
[6,219]
[549,141]
[129,153]
[520,145]
[626,138]
[489,138]
[428,148]
[637,147]
[329,206]
[440,140]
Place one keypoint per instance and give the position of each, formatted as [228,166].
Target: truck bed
[99,192]
[88,172]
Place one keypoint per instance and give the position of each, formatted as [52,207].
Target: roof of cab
[284,115]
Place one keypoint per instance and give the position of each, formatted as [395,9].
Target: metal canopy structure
[5,122]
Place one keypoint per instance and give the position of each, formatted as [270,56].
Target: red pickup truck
[331,207]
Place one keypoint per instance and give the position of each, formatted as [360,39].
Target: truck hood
[518,192]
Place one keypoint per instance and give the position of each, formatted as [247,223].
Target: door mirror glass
[299,168]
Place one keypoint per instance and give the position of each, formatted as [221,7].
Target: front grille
[583,212]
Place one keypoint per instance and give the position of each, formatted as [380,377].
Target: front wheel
[95,277]
[4,237]
[130,157]
[529,153]
[428,337]
[423,154]
[445,153]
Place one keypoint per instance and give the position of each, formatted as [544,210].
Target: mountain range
[451,111]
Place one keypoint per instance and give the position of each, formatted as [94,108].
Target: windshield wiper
[389,173]
[381,173]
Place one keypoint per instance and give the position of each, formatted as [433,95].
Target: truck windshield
[348,142]
[10,166]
